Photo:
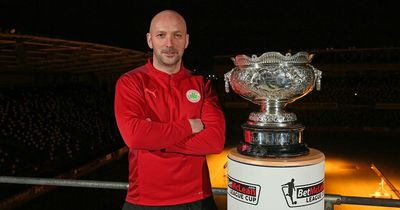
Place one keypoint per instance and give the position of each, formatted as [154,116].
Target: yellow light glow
[339,167]
[218,169]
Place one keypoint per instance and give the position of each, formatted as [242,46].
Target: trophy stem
[273,106]
[271,112]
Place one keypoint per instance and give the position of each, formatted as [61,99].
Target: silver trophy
[272,81]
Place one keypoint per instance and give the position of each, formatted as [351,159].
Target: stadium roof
[27,54]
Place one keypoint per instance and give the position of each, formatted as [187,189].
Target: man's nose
[169,41]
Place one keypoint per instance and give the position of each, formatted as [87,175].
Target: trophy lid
[269,58]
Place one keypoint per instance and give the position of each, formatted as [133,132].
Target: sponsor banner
[303,195]
[244,191]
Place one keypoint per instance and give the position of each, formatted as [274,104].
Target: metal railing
[330,199]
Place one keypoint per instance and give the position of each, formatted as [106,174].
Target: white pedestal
[276,183]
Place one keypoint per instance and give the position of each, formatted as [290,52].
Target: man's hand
[196,125]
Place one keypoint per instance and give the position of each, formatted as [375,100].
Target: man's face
[168,39]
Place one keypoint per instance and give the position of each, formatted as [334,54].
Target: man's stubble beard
[166,61]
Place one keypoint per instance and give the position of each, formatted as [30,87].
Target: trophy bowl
[273,80]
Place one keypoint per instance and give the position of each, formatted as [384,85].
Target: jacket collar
[183,72]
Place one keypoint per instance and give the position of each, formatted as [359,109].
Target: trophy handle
[318,76]
[227,79]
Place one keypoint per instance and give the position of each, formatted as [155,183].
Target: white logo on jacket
[152,92]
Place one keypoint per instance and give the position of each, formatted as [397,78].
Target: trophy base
[292,150]
[273,140]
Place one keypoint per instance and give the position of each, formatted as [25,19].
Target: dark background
[216,27]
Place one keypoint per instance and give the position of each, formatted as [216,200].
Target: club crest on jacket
[193,96]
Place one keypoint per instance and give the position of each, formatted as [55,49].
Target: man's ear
[187,41]
[149,42]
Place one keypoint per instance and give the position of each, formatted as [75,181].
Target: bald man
[170,120]
[168,38]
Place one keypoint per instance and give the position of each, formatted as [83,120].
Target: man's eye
[160,35]
[178,36]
